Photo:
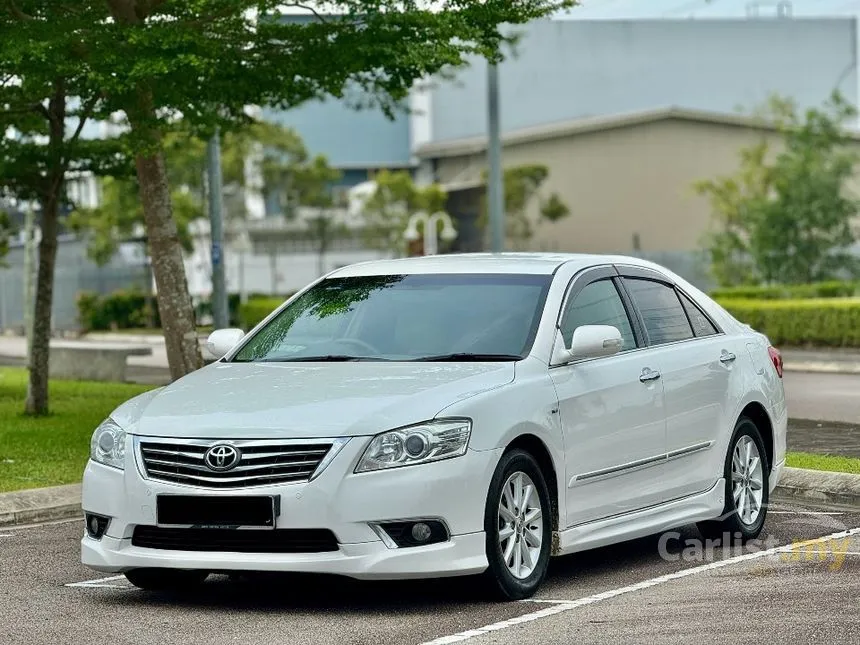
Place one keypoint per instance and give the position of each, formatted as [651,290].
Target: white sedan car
[444,416]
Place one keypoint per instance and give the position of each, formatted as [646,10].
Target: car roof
[531,263]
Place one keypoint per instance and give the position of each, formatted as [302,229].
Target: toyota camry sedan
[444,416]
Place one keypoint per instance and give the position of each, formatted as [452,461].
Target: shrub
[118,310]
[831,289]
[832,322]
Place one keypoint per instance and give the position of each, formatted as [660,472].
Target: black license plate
[217,511]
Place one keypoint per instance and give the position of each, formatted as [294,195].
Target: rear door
[698,371]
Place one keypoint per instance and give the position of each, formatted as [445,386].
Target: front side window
[662,312]
[597,304]
[406,317]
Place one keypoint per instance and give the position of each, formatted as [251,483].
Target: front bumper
[345,503]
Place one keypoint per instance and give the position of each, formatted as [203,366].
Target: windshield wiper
[327,358]
[470,358]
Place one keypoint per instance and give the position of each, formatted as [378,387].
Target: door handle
[649,375]
[727,357]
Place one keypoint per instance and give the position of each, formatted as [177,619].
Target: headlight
[418,444]
[108,444]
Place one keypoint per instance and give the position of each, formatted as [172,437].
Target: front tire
[518,526]
[747,473]
[166,579]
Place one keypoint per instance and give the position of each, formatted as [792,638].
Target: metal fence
[74,274]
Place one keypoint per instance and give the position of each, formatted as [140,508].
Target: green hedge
[118,310]
[253,311]
[831,322]
[831,289]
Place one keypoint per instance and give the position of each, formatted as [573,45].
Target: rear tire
[166,579]
[518,526]
[747,476]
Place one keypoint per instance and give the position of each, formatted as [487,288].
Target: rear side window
[701,325]
[662,312]
[598,304]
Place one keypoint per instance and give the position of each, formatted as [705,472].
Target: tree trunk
[37,387]
[40,345]
[174,301]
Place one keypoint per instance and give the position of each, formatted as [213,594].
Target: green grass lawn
[823,462]
[52,450]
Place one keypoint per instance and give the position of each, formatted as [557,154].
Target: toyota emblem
[222,457]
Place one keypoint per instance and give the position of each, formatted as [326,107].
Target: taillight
[776,359]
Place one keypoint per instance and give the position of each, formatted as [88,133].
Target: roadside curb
[64,502]
[841,489]
[40,505]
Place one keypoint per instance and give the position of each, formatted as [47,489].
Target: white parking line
[563,606]
[99,583]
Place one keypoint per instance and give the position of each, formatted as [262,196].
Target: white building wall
[567,69]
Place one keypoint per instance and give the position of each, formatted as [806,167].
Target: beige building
[627,179]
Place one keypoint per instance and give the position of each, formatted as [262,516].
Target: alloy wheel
[747,480]
[520,520]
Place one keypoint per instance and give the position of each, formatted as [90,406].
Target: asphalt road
[825,397]
[802,596]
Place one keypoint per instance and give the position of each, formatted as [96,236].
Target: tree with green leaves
[46,101]
[522,186]
[395,198]
[208,60]
[119,215]
[786,215]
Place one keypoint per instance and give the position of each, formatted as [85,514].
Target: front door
[611,409]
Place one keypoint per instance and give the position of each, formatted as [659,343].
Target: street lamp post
[431,233]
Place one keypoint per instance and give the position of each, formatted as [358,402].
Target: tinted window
[405,317]
[701,325]
[598,304]
[664,317]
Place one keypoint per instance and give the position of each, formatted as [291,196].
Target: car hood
[289,400]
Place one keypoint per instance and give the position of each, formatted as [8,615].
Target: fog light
[96,525]
[421,532]
[412,533]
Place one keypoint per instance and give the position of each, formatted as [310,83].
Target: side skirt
[647,521]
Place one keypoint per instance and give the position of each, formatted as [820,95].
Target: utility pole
[495,188]
[216,222]
[29,263]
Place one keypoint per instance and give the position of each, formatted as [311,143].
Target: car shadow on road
[315,593]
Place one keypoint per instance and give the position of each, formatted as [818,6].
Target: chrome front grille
[260,463]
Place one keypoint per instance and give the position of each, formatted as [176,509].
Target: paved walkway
[15,347]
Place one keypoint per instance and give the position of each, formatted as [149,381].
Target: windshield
[406,318]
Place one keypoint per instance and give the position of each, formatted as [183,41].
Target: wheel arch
[758,414]
[535,446]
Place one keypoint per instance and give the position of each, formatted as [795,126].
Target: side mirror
[589,341]
[222,341]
